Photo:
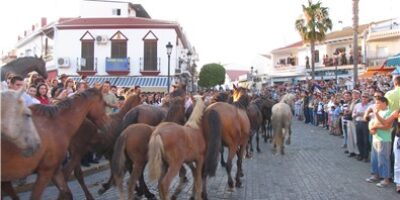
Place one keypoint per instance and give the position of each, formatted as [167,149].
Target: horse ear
[234,86]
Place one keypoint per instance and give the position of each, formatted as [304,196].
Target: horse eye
[28,115]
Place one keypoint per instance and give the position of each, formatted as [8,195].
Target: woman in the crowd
[42,94]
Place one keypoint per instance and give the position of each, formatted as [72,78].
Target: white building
[111,40]
[377,42]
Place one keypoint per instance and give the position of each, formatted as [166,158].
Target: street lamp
[169,51]
[335,57]
[189,56]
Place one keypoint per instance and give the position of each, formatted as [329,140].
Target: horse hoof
[150,196]
[288,142]
[241,174]
[230,189]
[238,184]
[101,191]
[258,150]
[185,179]
[230,184]
[173,197]
[191,198]
[223,164]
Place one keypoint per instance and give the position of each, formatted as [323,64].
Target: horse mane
[55,110]
[242,103]
[178,93]
[288,98]
[175,105]
[197,114]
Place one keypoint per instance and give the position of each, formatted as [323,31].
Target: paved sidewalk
[314,167]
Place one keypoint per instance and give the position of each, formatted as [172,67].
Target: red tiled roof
[234,74]
[297,44]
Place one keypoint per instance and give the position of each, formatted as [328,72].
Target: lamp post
[335,57]
[189,67]
[169,50]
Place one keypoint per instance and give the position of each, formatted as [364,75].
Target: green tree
[313,27]
[211,75]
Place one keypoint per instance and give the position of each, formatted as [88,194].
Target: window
[316,56]
[150,55]
[87,54]
[282,61]
[116,12]
[118,49]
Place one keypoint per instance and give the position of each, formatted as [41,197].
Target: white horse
[281,121]
[16,123]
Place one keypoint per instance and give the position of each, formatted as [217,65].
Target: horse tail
[213,138]
[156,151]
[118,159]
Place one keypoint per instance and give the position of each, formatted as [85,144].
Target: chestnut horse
[132,146]
[17,124]
[171,145]
[88,139]
[56,126]
[235,129]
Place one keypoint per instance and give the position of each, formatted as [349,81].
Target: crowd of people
[366,117]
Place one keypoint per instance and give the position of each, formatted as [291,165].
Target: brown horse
[235,129]
[171,145]
[56,126]
[255,117]
[151,115]
[88,139]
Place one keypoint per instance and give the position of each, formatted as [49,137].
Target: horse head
[97,112]
[16,123]
[40,67]
[239,94]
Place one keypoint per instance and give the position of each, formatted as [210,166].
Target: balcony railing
[86,66]
[118,66]
[149,70]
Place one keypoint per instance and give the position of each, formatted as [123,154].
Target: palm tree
[355,41]
[313,26]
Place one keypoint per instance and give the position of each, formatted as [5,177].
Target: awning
[147,84]
[393,61]
[376,70]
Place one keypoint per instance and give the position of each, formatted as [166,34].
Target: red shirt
[43,100]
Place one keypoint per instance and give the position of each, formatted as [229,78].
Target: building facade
[112,40]
[333,56]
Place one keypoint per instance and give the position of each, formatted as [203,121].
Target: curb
[86,172]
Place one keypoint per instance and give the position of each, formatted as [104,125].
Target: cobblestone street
[314,167]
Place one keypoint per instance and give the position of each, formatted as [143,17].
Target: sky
[230,32]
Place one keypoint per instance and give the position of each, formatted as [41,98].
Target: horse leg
[223,163]
[61,184]
[231,154]
[182,180]
[137,170]
[7,187]
[146,190]
[258,140]
[71,164]
[239,172]
[198,179]
[172,171]
[79,176]
[43,178]
[106,186]
[289,135]
[248,154]
[204,194]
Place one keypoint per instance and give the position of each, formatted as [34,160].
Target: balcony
[118,66]
[86,66]
[151,69]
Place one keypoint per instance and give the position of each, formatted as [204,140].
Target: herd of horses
[166,138]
